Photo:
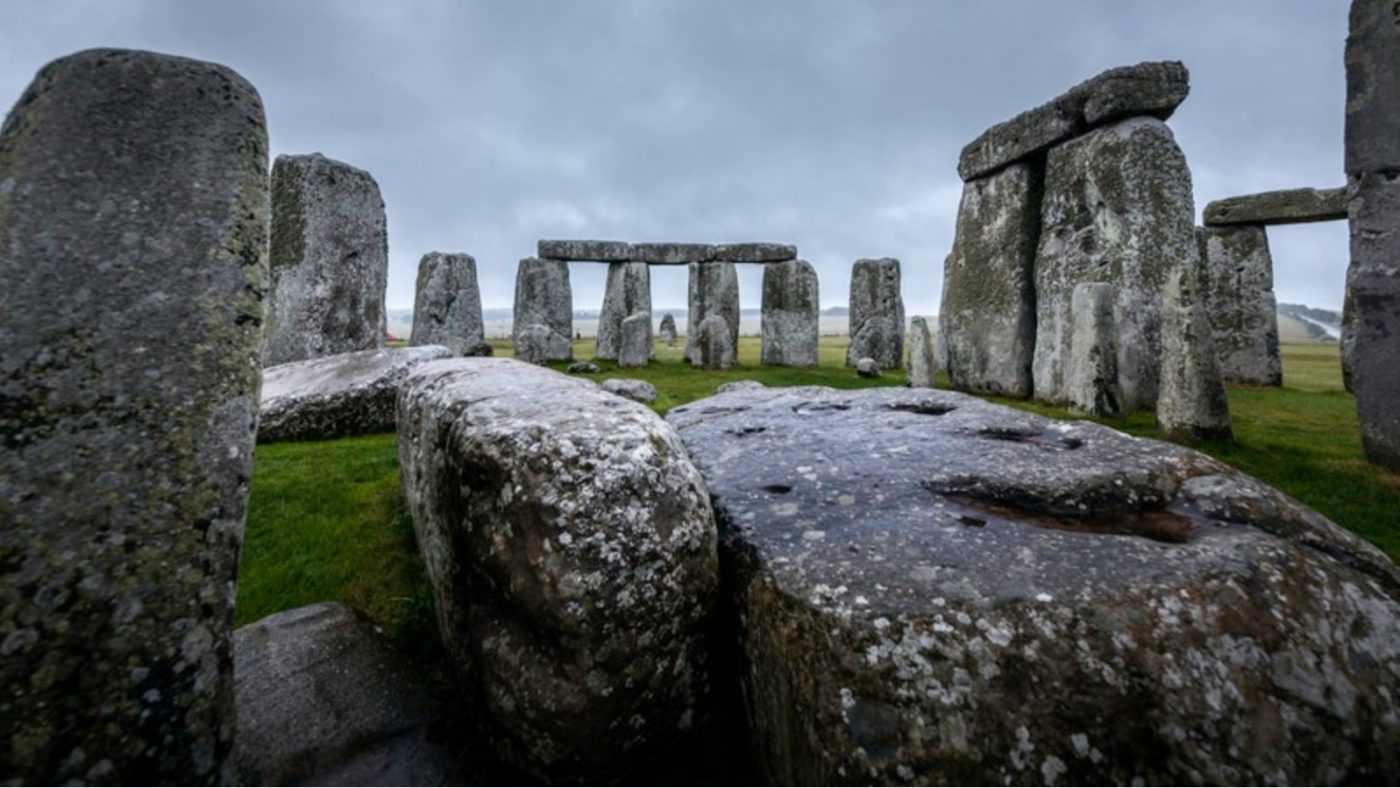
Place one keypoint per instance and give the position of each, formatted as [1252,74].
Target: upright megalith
[1092,383]
[923,367]
[635,349]
[712,344]
[628,292]
[133,247]
[1238,293]
[876,313]
[987,318]
[329,260]
[714,291]
[667,330]
[1192,405]
[543,320]
[791,315]
[447,306]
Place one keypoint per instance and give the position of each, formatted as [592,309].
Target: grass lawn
[325,520]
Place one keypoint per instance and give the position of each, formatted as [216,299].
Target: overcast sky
[832,125]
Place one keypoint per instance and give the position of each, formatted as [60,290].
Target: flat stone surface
[713,289]
[337,396]
[755,252]
[543,297]
[627,292]
[1238,289]
[876,313]
[447,304]
[923,368]
[133,250]
[585,251]
[790,321]
[635,390]
[1092,381]
[1153,89]
[329,260]
[672,253]
[1288,206]
[1191,405]
[932,589]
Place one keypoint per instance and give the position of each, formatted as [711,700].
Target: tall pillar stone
[543,300]
[987,319]
[1192,405]
[329,258]
[1239,301]
[1093,362]
[791,317]
[628,292]
[447,304]
[1118,209]
[923,368]
[714,290]
[133,247]
[876,313]
[635,349]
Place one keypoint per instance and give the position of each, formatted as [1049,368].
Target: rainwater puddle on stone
[923,408]
[1159,525]
[1034,438]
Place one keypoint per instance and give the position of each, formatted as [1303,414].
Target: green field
[325,520]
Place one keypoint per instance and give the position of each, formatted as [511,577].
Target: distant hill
[1300,323]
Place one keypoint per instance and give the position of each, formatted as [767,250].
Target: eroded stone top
[330,375]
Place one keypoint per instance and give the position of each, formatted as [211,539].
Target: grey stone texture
[866,367]
[1348,338]
[932,589]
[713,290]
[337,396]
[791,314]
[1117,209]
[712,344]
[329,260]
[570,545]
[738,385]
[1092,378]
[583,368]
[876,313]
[667,330]
[543,298]
[635,390]
[324,699]
[591,251]
[628,292]
[447,304]
[755,252]
[1238,289]
[923,367]
[1191,405]
[1152,89]
[1287,206]
[672,253]
[134,209]
[637,344]
[987,317]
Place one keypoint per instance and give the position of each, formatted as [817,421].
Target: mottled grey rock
[1238,289]
[876,313]
[667,331]
[791,315]
[482,348]
[635,390]
[594,251]
[712,344]
[133,250]
[1117,209]
[931,589]
[1152,89]
[637,344]
[755,252]
[670,253]
[583,368]
[867,368]
[543,297]
[447,304]
[739,385]
[329,258]
[1192,405]
[1287,206]
[574,524]
[713,290]
[1372,130]
[323,699]
[923,368]
[987,318]
[1348,338]
[336,396]
[628,292]
[1092,378]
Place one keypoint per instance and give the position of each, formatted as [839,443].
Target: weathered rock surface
[1372,127]
[1348,338]
[133,250]
[635,390]
[670,253]
[628,292]
[932,589]
[987,318]
[324,700]
[571,552]
[791,315]
[712,344]
[543,298]
[867,368]
[739,385]
[755,252]
[583,368]
[923,368]
[329,260]
[1151,89]
[1287,206]
[637,344]
[337,396]
[1092,382]
[1192,404]
[595,251]
[537,344]
[1117,209]
[667,330]
[713,290]
[1238,289]
[447,304]
[876,313]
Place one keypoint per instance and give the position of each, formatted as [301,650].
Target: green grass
[325,521]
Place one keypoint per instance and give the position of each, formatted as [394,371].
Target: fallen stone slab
[755,252]
[1238,292]
[670,253]
[927,588]
[635,390]
[583,368]
[337,396]
[447,304]
[585,251]
[1288,206]
[1153,89]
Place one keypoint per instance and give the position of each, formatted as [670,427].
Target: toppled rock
[1192,405]
[739,385]
[1238,289]
[447,304]
[635,390]
[791,315]
[876,313]
[923,369]
[597,251]
[712,346]
[1287,206]
[1092,382]
[583,368]
[867,368]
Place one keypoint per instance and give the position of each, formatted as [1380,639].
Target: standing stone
[876,313]
[923,368]
[1239,301]
[1093,361]
[791,317]
[1372,161]
[329,259]
[987,318]
[1117,209]
[543,300]
[628,292]
[133,250]
[447,307]
[1192,405]
[713,344]
[714,290]
[1348,337]
[636,341]
[668,329]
